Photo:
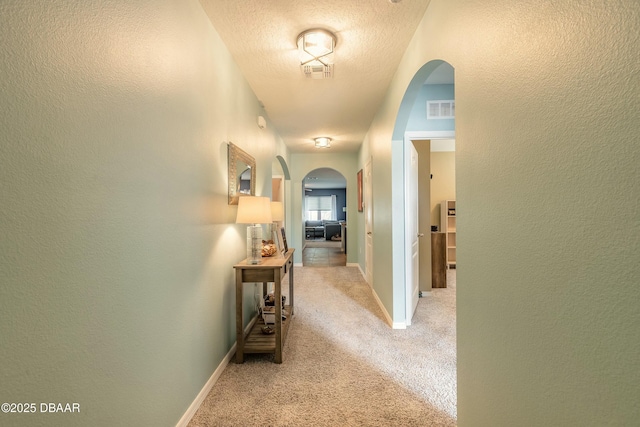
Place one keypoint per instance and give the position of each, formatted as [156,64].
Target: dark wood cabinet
[438,260]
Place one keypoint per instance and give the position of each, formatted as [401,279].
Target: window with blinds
[320,207]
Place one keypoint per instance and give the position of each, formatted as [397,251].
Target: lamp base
[254,244]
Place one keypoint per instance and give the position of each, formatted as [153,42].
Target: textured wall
[117,240]
[548,190]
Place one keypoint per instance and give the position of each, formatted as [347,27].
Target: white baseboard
[195,405]
[385,313]
[297,264]
[354,264]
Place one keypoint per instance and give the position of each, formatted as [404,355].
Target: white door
[412,285]
[368,222]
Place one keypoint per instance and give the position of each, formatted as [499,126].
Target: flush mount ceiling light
[323,142]
[316,48]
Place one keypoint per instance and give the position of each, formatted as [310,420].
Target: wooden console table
[269,270]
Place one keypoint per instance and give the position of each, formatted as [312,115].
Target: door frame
[410,136]
[411,217]
[368,221]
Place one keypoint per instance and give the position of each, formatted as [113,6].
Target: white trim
[355,264]
[385,313]
[399,325]
[408,243]
[195,405]
[368,212]
[298,264]
[425,134]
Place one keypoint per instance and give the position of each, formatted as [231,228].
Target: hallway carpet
[343,365]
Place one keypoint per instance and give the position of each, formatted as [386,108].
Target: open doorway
[280,196]
[324,217]
[427,113]
[425,119]
[430,214]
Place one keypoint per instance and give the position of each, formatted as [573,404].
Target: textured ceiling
[372,37]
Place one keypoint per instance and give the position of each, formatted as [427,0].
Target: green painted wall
[548,195]
[117,287]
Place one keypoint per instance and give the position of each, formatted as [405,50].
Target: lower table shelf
[257,342]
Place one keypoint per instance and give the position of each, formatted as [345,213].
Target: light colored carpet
[343,365]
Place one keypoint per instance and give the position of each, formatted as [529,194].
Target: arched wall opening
[407,131]
[281,187]
[327,182]
[301,165]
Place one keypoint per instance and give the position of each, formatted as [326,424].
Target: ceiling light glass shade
[315,47]
[323,142]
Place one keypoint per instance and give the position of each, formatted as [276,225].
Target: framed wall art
[359,183]
[285,247]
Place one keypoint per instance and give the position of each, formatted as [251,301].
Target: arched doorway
[281,194]
[426,114]
[324,211]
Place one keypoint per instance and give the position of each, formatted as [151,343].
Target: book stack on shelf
[269,310]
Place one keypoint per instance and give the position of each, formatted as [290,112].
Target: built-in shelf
[448,226]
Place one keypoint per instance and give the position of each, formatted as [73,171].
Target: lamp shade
[254,210]
[277,211]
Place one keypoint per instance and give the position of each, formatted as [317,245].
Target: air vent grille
[443,109]
[317,71]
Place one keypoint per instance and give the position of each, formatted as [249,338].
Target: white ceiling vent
[441,109]
[317,71]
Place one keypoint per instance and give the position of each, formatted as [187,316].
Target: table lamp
[277,212]
[277,215]
[256,211]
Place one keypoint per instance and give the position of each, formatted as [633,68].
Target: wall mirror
[242,174]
